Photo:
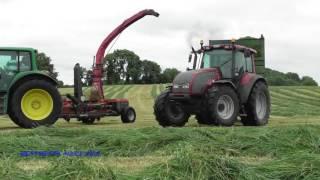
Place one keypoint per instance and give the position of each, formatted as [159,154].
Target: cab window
[219,58]
[24,61]
[249,64]
[9,61]
[240,62]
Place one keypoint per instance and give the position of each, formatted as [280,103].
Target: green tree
[87,77]
[169,74]
[60,83]
[122,66]
[293,76]
[44,64]
[150,72]
[308,81]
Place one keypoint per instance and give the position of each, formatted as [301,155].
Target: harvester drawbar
[97,106]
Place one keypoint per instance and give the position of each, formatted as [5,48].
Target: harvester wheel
[258,106]
[223,105]
[35,102]
[169,113]
[128,115]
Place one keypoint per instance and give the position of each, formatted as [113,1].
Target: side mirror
[241,71]
[195,61]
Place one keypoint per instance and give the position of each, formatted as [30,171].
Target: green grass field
[287,148]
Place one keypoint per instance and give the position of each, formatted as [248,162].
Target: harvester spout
[98,66]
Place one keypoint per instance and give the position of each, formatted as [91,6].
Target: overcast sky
[70,31]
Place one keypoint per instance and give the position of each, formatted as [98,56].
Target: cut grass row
[166,153]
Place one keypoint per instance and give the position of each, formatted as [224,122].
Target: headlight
[185,86]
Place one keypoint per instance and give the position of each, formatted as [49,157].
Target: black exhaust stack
[77,82]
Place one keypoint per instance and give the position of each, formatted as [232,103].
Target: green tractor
[225,84]
[30,97]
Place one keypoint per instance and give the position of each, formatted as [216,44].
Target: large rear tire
[34,103]
[168,112]
[223,105]
[258,106]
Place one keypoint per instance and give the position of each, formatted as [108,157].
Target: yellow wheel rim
[36,104]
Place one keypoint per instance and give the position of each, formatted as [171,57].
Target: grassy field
[287,148]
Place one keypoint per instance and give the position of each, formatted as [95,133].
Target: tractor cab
[230,60]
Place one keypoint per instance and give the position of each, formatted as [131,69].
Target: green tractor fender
[246,85]
[23,77]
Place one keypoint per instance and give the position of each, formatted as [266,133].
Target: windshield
[219,58]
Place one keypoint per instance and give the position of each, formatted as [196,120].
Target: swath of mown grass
[188,153]
[114,89]
[122,92]
[291,101]
[277,153]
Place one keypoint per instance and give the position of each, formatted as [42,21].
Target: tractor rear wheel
[223,105]
[169,113]
[34,103]
[258,106]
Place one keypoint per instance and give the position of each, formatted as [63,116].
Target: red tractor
[224,85]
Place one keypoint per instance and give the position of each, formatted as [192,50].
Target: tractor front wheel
[169,113]
[34,103]
[223,105]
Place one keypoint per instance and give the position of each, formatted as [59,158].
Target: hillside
[287,148]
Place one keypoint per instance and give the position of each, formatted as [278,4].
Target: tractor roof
[17,48]
[229,47]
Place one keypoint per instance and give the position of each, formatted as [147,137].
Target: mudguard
[225,82]
[29,74]
[247,81]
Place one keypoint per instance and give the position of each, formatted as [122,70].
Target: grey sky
[70,31]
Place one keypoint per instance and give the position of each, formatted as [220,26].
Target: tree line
[126,67]
[120,67]
[276,78]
